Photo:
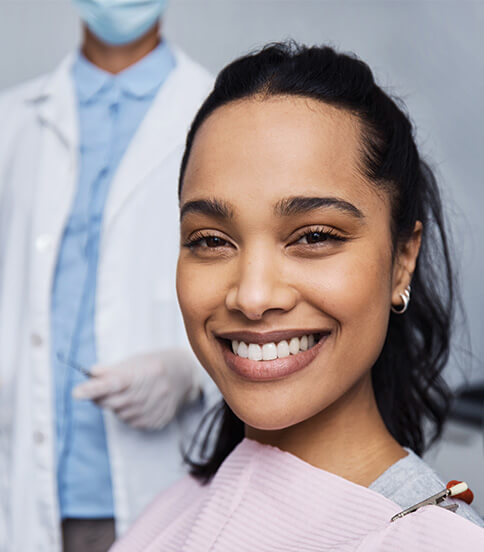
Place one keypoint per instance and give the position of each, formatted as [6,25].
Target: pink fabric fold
[263,499]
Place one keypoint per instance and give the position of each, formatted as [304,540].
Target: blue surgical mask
[120,21]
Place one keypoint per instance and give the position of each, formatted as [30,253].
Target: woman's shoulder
[411,480]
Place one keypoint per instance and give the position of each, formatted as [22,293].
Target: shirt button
[36,340]
[39,437]
[43,241]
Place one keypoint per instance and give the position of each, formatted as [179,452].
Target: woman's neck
[349,438]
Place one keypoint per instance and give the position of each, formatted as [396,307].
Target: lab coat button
[39,437]
[36,340]
[43,241]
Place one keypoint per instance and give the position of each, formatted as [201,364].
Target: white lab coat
[136,307]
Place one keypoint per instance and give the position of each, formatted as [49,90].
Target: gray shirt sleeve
[411,480]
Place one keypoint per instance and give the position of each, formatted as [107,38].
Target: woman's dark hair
[406,377]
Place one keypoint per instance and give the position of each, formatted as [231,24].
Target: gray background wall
[429,52]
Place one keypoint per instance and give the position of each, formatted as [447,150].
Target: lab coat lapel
[56,174]
[55,104]
[160,132]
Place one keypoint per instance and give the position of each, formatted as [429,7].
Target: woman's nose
[259,287]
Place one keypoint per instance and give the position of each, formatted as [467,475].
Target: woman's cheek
[199,288]
[363,307]
[353,290]
[188,291]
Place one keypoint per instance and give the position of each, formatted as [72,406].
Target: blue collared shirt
[111,108]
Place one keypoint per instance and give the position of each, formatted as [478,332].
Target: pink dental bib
[266,500]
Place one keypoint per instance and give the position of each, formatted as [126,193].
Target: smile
[263,357]
[271,351]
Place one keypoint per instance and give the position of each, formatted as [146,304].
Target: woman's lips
[266,370]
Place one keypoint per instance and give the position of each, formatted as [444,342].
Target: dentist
[89,157]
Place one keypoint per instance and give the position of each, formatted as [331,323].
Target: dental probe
[435,500]
[75,365]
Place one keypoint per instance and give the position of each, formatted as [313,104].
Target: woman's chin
[267,419]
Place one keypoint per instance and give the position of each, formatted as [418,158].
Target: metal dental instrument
[435,500]
[75,365]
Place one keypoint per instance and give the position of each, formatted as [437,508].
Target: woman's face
[285,275]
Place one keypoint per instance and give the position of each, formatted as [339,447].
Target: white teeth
[243,350]
[255,351]
[294,346]
[303,343]
[282,349]
[271,351]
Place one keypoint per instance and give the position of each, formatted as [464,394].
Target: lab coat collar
[54,100]
[161,132]
[54,96]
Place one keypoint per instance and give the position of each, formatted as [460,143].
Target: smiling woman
[306,215]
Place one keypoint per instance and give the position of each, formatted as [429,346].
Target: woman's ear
[405,262]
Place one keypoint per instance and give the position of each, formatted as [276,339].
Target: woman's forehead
[266,149]
[276,129]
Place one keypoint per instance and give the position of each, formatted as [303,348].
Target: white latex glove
[144,391]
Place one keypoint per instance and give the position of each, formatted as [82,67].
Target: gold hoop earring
[405,299]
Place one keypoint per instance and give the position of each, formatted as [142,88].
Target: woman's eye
[207,242]
[318,236]
[313,237]
[212,241]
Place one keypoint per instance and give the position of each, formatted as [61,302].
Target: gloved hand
[144,391]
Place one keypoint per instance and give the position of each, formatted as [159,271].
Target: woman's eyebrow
[300,204]
[210,207]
